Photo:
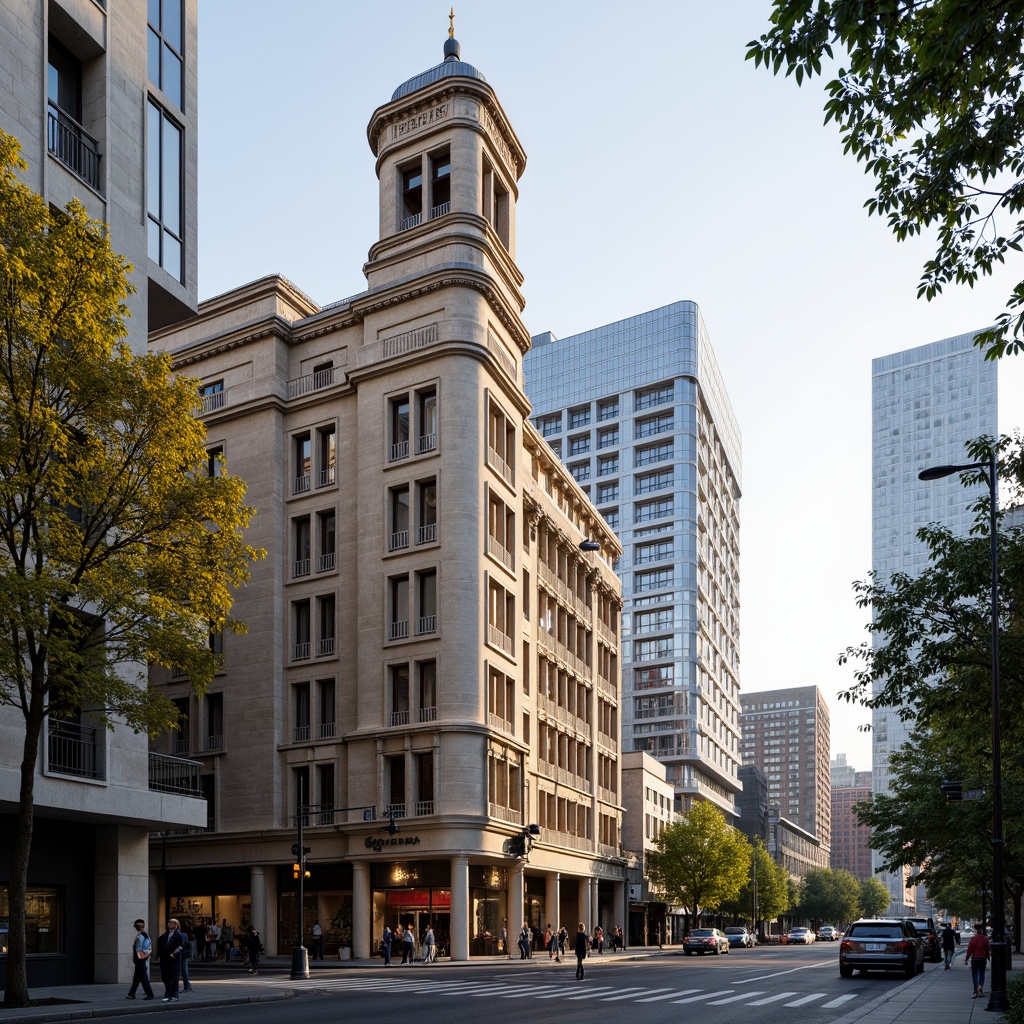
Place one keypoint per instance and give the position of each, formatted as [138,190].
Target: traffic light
[296,868]
[517,846]
[953,790]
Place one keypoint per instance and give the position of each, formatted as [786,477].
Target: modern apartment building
[926,402]
[850,849]
[786,734]
[102,98]
[638,412]
[430,678]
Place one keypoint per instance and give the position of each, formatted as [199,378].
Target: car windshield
[875,931]
[702,933]
[735,931]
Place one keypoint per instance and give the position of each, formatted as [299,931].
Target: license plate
[874,947]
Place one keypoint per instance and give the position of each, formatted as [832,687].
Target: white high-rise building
[639,413]
[926,402]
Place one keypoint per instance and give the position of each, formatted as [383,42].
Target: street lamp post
[997,995]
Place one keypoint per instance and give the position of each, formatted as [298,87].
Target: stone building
[102,98]
[430,678]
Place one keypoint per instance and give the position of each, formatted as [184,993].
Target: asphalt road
[802,982]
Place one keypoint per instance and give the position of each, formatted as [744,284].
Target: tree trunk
[16,992]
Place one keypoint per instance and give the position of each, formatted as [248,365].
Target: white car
[804,935]
[828,933]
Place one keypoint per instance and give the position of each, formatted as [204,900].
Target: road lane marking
[694,999]
[734,999]
[779,974]
[682,992]
[837,1002]
[772,999]
[807,999]
[629,993]
[594,993]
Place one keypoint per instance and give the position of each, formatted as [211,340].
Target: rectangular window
[659,394]
[426,511]
[495,198]
[399,428]
[648,678]
[326,530]
[652,650]
[300,563]
[211,397]
[164,163]
[215,464]
[653,453]
[66,138]
[300,713]
[648,510]
[399,534]
[426,598]
[44,919]
[501,620]
[427,678]
[580,471]
[440,184]
[426,414]
[660,579]
[648,622]
[325,644]
[395,785]
[180,738]
[425,783]
[325,794]
[398,595]
[165,36]
[579,417]
[325,699]
[608,465]
[654,481]
[300,630]
[327,455]
[501,443]
[302,464]
[607,409]
[607,437]
[500,700]
[549,425]
[607,492]
[213,707]
[501,531]
[611,517]
[661,424]
[412,196]
[579,445]
[659,551]
[399,714]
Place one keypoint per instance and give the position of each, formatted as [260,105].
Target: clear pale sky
[661,166]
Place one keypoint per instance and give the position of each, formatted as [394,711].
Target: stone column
[583,905]
[594,909]
[121,881]
[516,900]
[258,906]
[551,901]
[361,921]
[459,946]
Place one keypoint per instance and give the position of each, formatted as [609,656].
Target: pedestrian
[212,940]
[254,944]
[504,941]
[978,952]
[524,942]
[948,943]
[599,940]
[227,938]
[408,945]
[396,939]
[142,951]
[190,945]
[428,943]
[582,942]
[549,942]
[170,948]
[318,940]
[385,945]
[657,936]
[563,938]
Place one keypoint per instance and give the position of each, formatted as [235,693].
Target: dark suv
[925,927]
[881,945]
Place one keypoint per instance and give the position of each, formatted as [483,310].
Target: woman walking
[978,952]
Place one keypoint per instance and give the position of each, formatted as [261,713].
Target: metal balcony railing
[73,146]
[175,775]
[72,749]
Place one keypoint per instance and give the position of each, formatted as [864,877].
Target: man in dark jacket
[948,944]
[582,943]
[170,949]
[254,944]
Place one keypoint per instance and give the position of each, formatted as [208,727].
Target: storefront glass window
[43,913]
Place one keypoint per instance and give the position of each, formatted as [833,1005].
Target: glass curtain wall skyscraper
[639,413]
[926,402]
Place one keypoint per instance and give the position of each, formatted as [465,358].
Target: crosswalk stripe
[772,999]
[694,999]
[838,1002]
[628,993]
[528,990]
[734,999]
[806,999]
[593,993]
[669,995]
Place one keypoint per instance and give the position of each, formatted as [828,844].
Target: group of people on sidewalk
[978,954]
[172,950]
[406,939]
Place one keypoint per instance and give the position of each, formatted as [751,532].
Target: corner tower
[448,163]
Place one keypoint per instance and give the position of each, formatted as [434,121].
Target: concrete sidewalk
[935,997]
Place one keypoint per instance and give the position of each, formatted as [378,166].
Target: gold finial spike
[451,23]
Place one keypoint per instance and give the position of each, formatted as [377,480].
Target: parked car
[881,945]
[925,927]
[828,933]
[739,936]
[705,940]
[804,935]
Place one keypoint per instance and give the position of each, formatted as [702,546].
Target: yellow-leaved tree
[118,549]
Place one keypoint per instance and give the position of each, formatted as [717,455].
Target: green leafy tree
[701,861]
[118,549]
[928,96]
[768,881]
[827,895]
[873,900]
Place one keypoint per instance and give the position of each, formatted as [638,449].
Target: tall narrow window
[214,710]
[300,628]
[412,196]
[326,726]
[326,455]
[215,461]
[165,48]
[426,413]
[440,184]
[300,566]
[303,798]
[325,644]
[427,672]
[501,442]
[425,783]
[326,557]
[180,737]
[303,456]
[399,599]
[399,714]
[164,190]
[426,512]
[66,139]
[399,518]
[300,699]
[325,794]
[427,600]
[395,786]
[399,428]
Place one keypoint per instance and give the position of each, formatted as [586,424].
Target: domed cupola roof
[450,67]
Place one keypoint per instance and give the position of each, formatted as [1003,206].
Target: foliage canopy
[930,100]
